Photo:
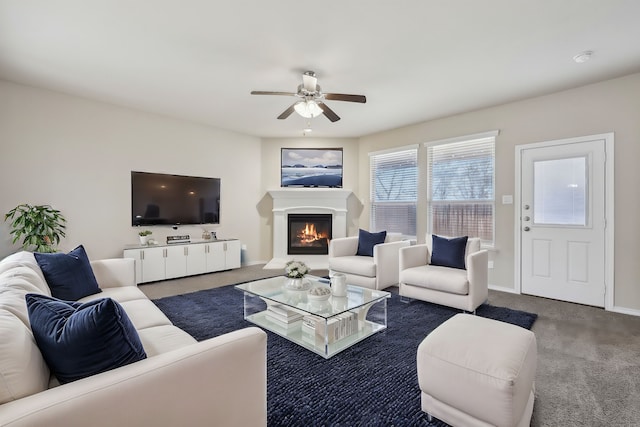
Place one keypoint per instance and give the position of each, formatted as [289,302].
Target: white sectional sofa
[220,381]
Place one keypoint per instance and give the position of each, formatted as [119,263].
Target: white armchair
[465,289]
[377,272]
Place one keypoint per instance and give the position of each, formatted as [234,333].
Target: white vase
[144,240]
[297,283]
[339,285]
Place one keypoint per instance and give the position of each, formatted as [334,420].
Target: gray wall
[610,106]
[77,155]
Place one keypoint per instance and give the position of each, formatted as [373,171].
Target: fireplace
[309,234]
[308,201]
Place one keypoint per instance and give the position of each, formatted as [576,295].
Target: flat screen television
[311,167]
[162,199]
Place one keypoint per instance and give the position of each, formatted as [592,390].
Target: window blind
[394,191]
[461,200]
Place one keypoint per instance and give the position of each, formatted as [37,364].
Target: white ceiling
[415,60]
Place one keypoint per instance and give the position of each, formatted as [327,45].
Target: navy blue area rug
[373,383]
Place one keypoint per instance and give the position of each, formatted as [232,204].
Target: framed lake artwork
[311,167]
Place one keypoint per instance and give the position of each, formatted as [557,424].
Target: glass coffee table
[325,327]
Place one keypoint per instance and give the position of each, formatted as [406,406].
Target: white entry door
[562,221]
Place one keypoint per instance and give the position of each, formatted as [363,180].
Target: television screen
[161,199]
[311,167]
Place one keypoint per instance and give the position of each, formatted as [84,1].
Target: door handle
[526,229]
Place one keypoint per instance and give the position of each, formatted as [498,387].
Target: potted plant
[144,236]
[40,226]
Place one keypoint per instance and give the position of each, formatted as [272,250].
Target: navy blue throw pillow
[78,340]
[366,241]
[69,276]
[449,252]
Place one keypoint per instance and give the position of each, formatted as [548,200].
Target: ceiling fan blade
[309,81]
[286,113]
[345,97]
[331,115]
[266,92]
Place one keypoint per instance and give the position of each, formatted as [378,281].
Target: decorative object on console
[179,239]
[78,340]
[206,235]
[41,225]
[144,236]
[366,241]
[311,167]
[69,276]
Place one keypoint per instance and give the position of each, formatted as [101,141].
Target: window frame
[488,137]
[373,202]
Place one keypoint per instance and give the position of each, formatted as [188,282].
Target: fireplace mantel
[306,200]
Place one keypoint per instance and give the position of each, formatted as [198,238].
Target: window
[560,191]
[461,199]
[394,190]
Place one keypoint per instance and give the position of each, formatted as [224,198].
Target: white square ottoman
[474,371]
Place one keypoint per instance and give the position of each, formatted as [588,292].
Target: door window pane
[560,191]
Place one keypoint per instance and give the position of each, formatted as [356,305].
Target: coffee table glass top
[325,327]
[273,289]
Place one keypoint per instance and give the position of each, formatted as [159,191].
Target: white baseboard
[246,264]
[624,310]
[503,289]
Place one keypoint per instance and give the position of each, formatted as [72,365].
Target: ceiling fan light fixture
[308,109]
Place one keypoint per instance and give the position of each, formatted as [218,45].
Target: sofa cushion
[366,241]
[445,279]
[161,339]
[449,252]
[69,276]
[82,339]
[14,285]
[144,314]
[23,371]
[121,294]
[24,260]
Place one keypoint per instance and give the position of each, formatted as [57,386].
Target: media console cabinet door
[171,261]
[232,254]
[215,256]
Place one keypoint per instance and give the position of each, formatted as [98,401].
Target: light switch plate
[507,200]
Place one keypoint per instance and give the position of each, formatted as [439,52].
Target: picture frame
[311,167]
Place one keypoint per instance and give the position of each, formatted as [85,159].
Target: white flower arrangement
[296,269]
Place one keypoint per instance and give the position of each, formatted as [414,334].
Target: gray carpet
[588,359]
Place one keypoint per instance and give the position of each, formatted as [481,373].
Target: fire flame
[309,234]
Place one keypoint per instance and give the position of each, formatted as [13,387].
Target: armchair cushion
[69,276]
[438,278]
[358,265]
[78,340]
[366,241]
[449,252]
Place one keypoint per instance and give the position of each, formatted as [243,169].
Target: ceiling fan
[311,102]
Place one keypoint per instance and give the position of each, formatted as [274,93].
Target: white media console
[161,262]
